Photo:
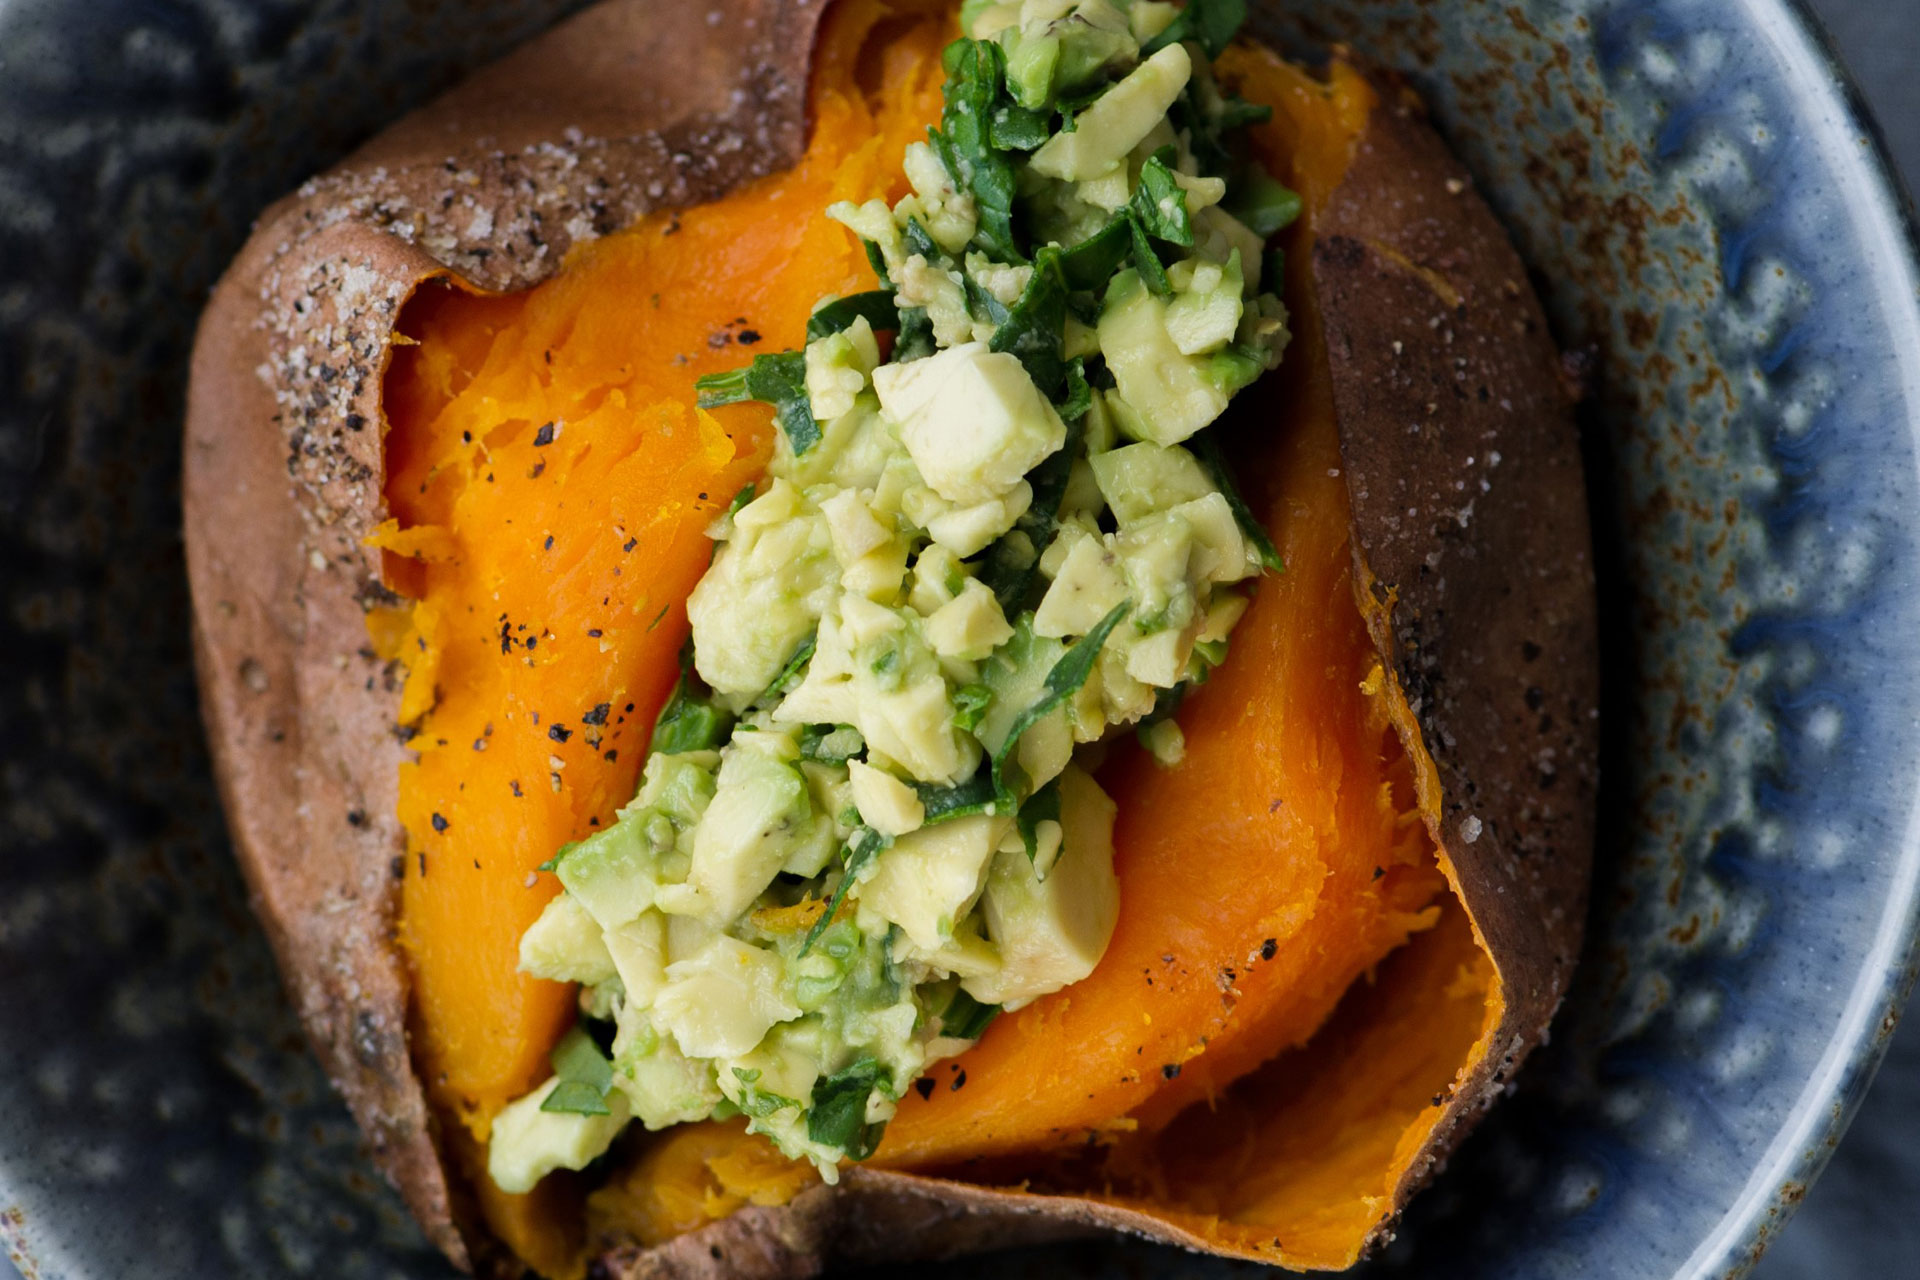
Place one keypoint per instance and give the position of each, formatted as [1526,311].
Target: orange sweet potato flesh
[551,481]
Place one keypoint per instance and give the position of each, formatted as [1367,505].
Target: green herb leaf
[982,305]
[690,721]
[916,340]
[1007,567]
[1208,451]
[791,674]
[741,499]
[970,702]
[1042,806]
[863,847]
[1035,329]
[1092,262]
[876,305]
[1264,204]
[1211,22]
[778,379]
[585,1075]
[1146,259]
[918,241]
[838,1117]
[975,75]
[757,1102]
[977,794]
[1062,682]
[1079,397]
[1017,128]
[966,1018]
[1160,202]
[878,261]
[831,743]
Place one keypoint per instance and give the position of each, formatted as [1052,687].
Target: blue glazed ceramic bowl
[1707,211]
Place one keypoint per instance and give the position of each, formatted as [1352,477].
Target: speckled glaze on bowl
[1707,213]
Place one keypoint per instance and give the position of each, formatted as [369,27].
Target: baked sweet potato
[445,499]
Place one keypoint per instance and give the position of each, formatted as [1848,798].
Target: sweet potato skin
[284,475]
[283,472]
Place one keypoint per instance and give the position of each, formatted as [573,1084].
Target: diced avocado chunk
[1052,932]
[765,590]
[971,418]
[616,873]
[1089,583]
[1138,480]
[1169,392]
[527,1143]
[720,1001]
[565,945]
[837,368]
[886,804]
[970,626]
[929,878]
[1206,306]
[1117,121]
[760,809]
[662,1085]
[638,950]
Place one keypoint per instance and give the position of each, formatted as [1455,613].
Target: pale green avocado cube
[1206,306]
[886,804]
[720,1001]
[527,1143]
[1117,121]
[971,418]
[1052,932]
[1220,550]
[1139,480]
[638,950]
[679,786]
[662,1085]
[928,880]
[1016,677]
[1170,394]
[766,589]
[615,874]
[760,808]
[1090,582]
[970,626]
[565,945]
[837,368]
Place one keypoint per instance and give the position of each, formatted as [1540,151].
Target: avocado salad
[993,534]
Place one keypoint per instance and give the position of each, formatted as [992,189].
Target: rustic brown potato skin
[1490,634]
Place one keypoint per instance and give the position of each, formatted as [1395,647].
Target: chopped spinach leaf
[975,77]
[792,673]
[969,704]
[584,1074]
[876,305]
[1079,395]
[1018,128]
[966,1018]
[1035,329]
[1160,202]
[691,720]
[982,305]
[916,340]
[1042,806]
[864,845]
[1092,262]
[1211,22]
[838,1117]
[1208,451]
[878,261]
[757,1102]
[977,794]
[1266,205]
[1062,682]
[1146,259]
[918,241]
[831,743]
[778,379]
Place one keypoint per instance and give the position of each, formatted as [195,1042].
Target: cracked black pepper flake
[611,755]
[598,715]
[544,436]
[423,865]
[398,867]
[549,545]
[594,632]
[356,817]
[1171,1071]
[515,784]
[559,732]
[1268,947]
[1378,872]
[924,1087]
[631,543]
[748,337]
[440,823]
[958,1080]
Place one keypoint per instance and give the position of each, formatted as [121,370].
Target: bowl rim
[1806,1140]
